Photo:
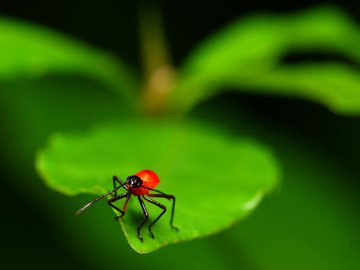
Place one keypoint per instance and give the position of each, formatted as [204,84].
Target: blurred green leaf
[335,84]
[215,177]
[252,48]
[31,51]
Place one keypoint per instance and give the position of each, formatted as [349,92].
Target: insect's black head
[134,181]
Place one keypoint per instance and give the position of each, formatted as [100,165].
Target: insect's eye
[134,181]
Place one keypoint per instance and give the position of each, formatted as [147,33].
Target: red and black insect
[140,185]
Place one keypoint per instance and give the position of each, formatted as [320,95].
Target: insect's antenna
[85,207]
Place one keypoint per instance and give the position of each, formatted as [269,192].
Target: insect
[139,185]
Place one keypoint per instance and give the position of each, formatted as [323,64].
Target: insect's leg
[146,214]
[163,207]
[117,179]
[115,198]
[128,194]
[169,197]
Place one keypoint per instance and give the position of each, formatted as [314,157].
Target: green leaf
[217,179]
[31,51]
[334,84]
[252,48]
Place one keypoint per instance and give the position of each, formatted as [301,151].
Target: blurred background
[310,223]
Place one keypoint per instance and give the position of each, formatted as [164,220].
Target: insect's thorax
[139,191]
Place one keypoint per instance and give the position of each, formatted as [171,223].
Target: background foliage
[311,222]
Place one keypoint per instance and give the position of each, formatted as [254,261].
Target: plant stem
[159,75]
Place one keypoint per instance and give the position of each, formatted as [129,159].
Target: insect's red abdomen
[150,180]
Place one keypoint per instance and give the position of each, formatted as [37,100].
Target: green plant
[154,128]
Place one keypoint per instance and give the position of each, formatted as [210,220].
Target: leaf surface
[247,55]
[30,51]
[217,179]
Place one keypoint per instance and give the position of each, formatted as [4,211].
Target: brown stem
[159,75]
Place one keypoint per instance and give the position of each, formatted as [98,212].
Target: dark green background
[309,223]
